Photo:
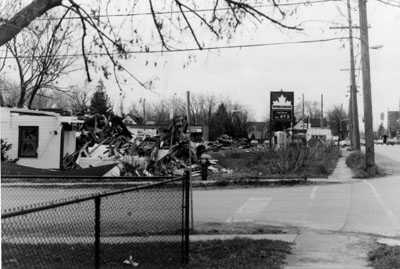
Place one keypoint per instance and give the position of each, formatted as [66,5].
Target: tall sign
[282,106]
[281,112]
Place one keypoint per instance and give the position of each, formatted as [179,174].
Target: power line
[187,50]
[390,3]
[174,12]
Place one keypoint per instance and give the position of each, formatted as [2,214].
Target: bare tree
[338,119]
[36,52]
[171,20]
[311,109]
[158,112]
[9,92]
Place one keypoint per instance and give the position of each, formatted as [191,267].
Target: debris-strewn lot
[106,148]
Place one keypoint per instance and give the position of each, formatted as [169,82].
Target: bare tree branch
[251,10]
[200,17]
[24,17]
[158,26]
[85,58]
[188,24]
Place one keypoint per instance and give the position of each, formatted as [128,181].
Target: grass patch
[385,257]
[236,253]
[290,163]
[148,255]
[239,253]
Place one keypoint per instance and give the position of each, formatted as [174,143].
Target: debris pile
[104,141]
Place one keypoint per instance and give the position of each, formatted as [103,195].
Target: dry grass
[311,162]
[385,257]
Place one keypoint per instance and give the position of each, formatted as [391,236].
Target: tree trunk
[24,17]
[21,100]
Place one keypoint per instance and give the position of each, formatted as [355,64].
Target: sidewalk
[342,172]
[327,249]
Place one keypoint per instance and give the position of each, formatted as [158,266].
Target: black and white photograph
[200,134]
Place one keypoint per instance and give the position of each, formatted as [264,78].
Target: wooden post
[353,87]
[366,78]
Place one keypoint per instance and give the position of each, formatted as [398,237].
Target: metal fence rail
[145,225]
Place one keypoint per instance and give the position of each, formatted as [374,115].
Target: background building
[393,123]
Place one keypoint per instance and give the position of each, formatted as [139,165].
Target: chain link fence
[146,226]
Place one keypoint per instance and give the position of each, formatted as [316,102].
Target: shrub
[385,257]
[356,161]
[4,148]
[310,161]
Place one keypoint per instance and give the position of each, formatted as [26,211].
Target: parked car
[391,142]
[344,143]
[378,141]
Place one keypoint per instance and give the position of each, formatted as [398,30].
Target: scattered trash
[130,261]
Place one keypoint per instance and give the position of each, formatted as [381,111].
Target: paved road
[391,152]
[366,206]
[13,197]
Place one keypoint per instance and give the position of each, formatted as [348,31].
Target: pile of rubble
[104,141]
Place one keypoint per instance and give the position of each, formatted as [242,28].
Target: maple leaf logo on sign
[282,103]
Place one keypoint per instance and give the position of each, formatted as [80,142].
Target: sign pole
[190,157]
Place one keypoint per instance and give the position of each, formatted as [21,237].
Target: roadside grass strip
[233,253]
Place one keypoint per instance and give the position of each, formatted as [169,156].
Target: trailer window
[28,141]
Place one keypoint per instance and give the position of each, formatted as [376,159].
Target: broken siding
[69,142]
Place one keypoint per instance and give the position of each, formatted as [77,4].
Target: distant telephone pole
[366,78]
[354,128]
[322,111]
[353,87]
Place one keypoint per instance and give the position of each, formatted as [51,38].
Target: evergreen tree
[100,103]
[220,122]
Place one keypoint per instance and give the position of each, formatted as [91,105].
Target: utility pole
[341,123]
[351,113]
[354,129]
[366,78]
[322,111]
[143,101]
[353,87]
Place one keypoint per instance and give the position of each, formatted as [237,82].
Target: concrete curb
[290,238]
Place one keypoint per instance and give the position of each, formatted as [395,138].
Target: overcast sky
[248,74]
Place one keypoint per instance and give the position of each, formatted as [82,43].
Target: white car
[344,143]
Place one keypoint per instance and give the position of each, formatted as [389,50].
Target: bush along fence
[146,226]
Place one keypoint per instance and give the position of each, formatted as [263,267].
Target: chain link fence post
[187,216]
[97,202]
